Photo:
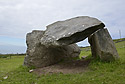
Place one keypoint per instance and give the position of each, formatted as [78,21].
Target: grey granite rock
[48,47]
[70,31]
[39,55]
[102,46]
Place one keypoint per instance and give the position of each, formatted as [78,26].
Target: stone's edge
[28,42]
[47,27]
[34,31]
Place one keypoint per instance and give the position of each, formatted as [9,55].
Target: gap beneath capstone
[85,48]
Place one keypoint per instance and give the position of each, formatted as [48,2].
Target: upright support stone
[102,45]
[39,55]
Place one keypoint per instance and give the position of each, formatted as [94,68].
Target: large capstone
[39,55]
[70,31]
[102,46]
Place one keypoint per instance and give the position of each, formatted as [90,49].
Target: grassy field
[12,71]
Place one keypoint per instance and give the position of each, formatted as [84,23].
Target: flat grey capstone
[70,31]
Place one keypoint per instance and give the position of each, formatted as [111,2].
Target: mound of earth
[65,67]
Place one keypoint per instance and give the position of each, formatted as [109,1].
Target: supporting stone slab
[102,46]
[39,55]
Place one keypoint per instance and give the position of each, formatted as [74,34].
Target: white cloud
[17,17]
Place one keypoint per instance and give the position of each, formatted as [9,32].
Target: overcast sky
[17,17]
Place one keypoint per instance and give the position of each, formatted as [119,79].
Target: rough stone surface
[39,55]
[102,45]
[72,50]
[48,47]
[70,31]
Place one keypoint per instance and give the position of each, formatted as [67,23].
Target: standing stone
[39,55]
[102,46]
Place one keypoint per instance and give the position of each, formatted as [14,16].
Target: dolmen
[59,40]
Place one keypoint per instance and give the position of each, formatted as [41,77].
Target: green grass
[116,40]
[7,64]
[98,72]
[85,52]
